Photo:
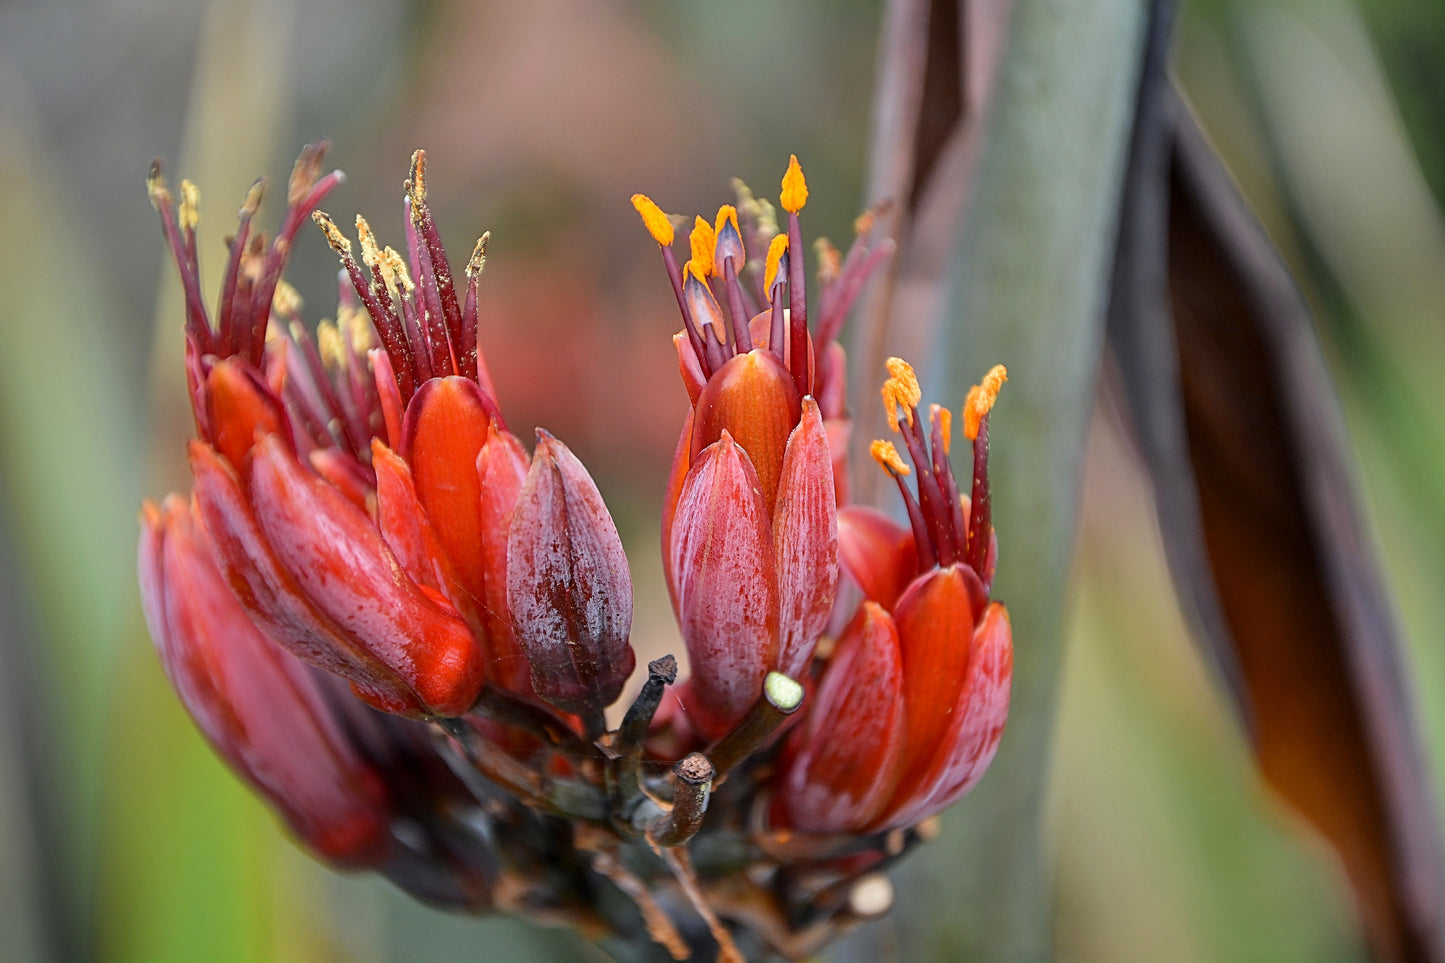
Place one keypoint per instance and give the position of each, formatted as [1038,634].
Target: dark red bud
[256,704]
[568,585]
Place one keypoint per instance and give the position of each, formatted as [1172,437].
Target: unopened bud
[568,585]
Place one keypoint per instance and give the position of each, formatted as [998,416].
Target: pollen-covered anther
[830,260]
[416,183]
[704,242]
[339,242]
[900,391]
[355,325]
[397,267]
[777,248]
[156,189]
[942,417]
[729,239]
[329,343]
[253,259]
[286,301]
[981,398]
[795,188]
[887,456]
[252,201]
[658,224]
[478,260]
[370,252]
[190,206]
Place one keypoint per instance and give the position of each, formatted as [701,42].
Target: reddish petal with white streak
[805,534]
[722,562]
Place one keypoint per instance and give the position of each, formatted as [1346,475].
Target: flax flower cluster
[404,630]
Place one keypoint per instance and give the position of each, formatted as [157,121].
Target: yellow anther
[691,270]
[394,261]
[744,193]
[776,249]
[329,343]
[703,241]
[767,217]
[900,391]
[727,214]
[658,224]
[190,206]
[863,223]
[355,324]
[478,260]
[830,262]
[795,188]
[303,173]
[944,419]
[156,189]
[416,183]
[338,241]
[370,253]
[981,398]
[253,259]
[886,455]
[252,201]
[749,207]
[286,301]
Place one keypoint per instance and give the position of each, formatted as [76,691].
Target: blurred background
[124,839]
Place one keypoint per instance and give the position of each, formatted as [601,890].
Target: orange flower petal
[876,552]
[407,530]
[976,726]
[752,398]
[445,428]
[238,407]
[849,749]
[342,564]
[935,632]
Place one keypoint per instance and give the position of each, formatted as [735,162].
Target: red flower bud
[805,538]
[722,561]
[935,626]
[568,585]
[902,732]
[358,486]
[258,707]
[341,564]
[974,728]
[750,524]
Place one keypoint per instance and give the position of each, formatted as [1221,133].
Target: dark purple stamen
[797,309]
[742,337]
[980,522]
[225,321]
[694,336]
